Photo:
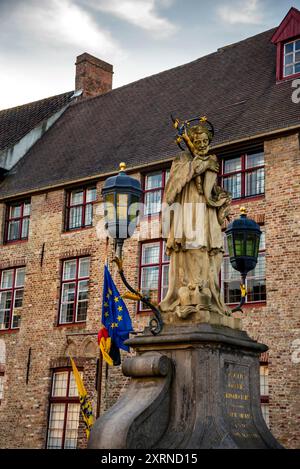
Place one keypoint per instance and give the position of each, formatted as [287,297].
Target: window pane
[264,380]
[289,70]
[72,386]
[72,426]
[232,292]
[25,228]
[76,197]
[152,202]
[234,164]
[26,209]
[15,211]
[7,279]
[255,182]
[16,320]
[84,267]
[260,269]
[256,290]
[13,230]
[164,281]
[82,300]
[69,269]
[88,215]
[262,244]
[153,181]
[20,277]
[289,47]
[5,307]
[297,45]
[56,426]
[149,283]
[60,383]
[297,68]
[232,184]
[18,298]
[165,258]
[67,302]
[150,253]
[91,194]
[256,159]
[75,217]
[289,59]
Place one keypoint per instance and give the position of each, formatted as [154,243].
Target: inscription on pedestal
[237,401]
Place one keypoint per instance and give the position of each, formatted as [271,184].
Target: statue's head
[201,137]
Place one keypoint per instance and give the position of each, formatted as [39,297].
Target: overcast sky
[40,39]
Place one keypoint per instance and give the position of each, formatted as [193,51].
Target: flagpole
[99,384]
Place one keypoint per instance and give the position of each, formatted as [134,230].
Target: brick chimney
[93,75]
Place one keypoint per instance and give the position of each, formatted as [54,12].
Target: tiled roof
[18,121]
[235,87]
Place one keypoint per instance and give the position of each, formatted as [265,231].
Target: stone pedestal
[193,386]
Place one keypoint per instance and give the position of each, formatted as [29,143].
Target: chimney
[93,75]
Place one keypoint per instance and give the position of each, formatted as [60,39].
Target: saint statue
[194,210]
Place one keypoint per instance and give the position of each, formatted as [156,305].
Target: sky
[40,39]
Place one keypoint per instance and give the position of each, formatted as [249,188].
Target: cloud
[248,12]
[141,13]
[62,23]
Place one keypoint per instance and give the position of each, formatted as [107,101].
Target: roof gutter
[154,163]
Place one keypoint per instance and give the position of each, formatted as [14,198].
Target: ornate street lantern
[243,237]
[122,194]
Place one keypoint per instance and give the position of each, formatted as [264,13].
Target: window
[291,58]
[154,187]
[11,297]
[154,271]
[255,282]
[64,411]
[74,290]
[17,221]
[244,176]
[79,210]
[264,390]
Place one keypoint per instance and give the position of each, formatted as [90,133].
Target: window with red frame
[244,175]
[154,271]
[264,389]
[11,297]
[64,411]
[79,209]
[291,58]
[74,290]
[153,191]
[17,221]
[255,281]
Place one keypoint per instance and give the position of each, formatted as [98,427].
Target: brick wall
[24,408]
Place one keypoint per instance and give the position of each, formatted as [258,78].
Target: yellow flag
[85,405]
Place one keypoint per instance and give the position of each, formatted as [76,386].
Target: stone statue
[194,210]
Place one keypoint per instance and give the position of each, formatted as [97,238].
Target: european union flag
[115,316]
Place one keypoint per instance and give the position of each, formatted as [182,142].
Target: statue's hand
[213,165]
[198,166]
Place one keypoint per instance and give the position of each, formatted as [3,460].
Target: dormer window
[287,40]
[291,60]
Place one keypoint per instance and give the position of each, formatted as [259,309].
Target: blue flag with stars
[115,316]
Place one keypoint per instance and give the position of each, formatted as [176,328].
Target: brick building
[55,155]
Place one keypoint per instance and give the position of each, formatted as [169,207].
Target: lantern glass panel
[122,205]
[239,244]
[251,239]
[110,207]
[134,208]
[230,245]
